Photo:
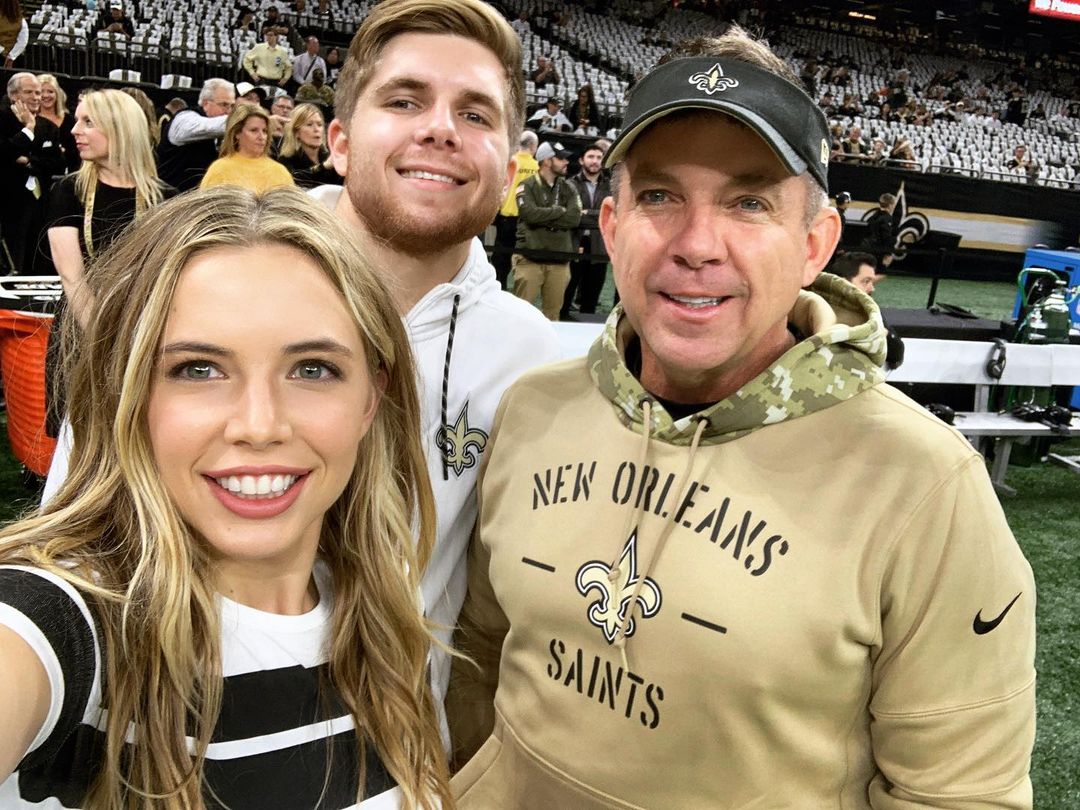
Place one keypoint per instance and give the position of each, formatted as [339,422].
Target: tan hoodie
[829,610]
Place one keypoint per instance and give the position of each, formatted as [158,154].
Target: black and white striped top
[274,736]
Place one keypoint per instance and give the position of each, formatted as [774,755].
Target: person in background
[14,32]
[188,146]
[245,19]
[303,148]
[55,110]
[317,92]
[305,64]
[282,106]
[550,117]
[115,21]
[545,72]
[843,200]
[506,219]
[30,157]
[549,210]
[585,117]
[116,184]
[333,66]
[587,274]
[172,107]
[721,609]
[902,154]
[268,62]
[280,110]
[248,93]
[858,268]
[221,601]
[244,159]
[880,239]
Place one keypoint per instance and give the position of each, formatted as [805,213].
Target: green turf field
[1044,516]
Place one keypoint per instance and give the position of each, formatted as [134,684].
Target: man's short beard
[388,222]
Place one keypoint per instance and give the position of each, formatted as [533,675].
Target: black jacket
[43,153]
[588,235]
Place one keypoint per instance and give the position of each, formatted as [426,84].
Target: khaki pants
[549,280]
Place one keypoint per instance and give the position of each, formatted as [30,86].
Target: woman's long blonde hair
[235,122]
[119,116]
[290,140]
[113,531]
[61,97]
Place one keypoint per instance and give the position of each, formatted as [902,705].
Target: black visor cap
[784,116]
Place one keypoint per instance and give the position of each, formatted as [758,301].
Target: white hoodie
[496,338]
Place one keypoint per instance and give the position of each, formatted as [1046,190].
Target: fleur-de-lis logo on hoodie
[461,445]
[609,610]
[713,80]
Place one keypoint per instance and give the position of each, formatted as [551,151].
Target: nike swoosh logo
[982,628]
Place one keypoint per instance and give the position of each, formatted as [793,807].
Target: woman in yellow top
[245,159]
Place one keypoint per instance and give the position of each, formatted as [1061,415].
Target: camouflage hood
[841,358]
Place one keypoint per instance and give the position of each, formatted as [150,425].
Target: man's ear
[609,223]
[338,140]
[511,170]
[821,242]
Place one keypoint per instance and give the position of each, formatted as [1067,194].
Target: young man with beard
[587,274]
[429,103]
[698,605]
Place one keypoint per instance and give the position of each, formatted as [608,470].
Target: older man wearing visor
[682,594]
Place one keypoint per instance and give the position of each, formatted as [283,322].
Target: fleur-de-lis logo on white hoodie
[609,610]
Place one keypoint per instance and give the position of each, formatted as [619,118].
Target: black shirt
[114,210]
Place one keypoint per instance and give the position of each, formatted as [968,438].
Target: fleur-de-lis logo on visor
[713,80]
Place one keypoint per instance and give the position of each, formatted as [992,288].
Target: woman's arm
[24,699]
[67,256]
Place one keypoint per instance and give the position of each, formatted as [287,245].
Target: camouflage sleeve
[953,695]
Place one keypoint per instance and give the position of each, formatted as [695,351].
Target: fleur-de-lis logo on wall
[461,445]
[610,608]
[713,80]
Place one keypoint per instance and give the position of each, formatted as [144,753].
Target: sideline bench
[963,362]
[954,362]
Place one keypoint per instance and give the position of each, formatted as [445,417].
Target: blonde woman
[219,607]
[303,148]
[245,153]
[116,183]
[54,109]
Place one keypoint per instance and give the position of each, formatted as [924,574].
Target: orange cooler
[24,339]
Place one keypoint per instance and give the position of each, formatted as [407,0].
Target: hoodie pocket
[473,772]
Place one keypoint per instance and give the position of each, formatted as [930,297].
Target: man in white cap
[115,21]
[549,209]
[680,593]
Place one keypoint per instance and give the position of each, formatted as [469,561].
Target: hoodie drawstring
[446,384]
[634,517]
[669,525]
